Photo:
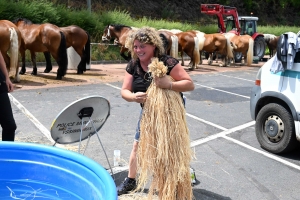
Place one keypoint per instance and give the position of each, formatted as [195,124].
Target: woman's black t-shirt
[141,79]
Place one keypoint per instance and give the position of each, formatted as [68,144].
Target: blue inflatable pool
[32,171]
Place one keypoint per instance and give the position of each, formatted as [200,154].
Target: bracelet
[171,84]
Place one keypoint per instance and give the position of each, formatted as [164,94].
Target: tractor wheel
[259,47]
[238,57]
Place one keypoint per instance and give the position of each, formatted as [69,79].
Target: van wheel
[275,129]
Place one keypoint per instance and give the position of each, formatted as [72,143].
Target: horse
[43,38]
[189,44]
[214,43]
[120,33]
[10,42]
[79,39]
[170,42]
[271,41]
[243,44]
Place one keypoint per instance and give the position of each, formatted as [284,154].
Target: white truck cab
[275,98]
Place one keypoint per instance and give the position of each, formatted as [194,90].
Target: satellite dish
[80,120]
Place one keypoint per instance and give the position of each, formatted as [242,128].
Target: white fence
[74,58]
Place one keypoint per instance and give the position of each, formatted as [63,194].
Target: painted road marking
[222,91]
[238,78]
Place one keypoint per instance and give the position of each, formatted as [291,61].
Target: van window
[297,57]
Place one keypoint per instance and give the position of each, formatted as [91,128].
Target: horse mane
[26,21]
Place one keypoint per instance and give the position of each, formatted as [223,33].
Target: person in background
[145,44]
[7,120]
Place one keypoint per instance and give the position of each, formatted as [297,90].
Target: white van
[275,98]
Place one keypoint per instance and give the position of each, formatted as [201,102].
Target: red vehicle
[240,25]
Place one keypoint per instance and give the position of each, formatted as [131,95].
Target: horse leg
[48,62]
[82,64]
[224,61]
[122,53]
[126,57]
[33,60]
[201,60]
[182,61]
[271,53]
[23,68]
[209,61]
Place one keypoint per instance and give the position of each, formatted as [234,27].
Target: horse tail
[174,47]
[63,57]
[250,52]
[14,53]
[165,42]
[201,40]
[229,48]
[196,53]
[87,49]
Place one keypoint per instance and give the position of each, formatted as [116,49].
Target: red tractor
[237,24]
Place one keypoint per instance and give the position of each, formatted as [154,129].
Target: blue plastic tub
[32,171]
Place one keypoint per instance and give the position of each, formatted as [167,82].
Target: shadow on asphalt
[198,193]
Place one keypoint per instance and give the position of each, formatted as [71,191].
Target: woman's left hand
[10,85]
[163,82]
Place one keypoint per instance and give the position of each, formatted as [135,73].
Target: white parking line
[269,155]
[116,87]
[222,91]
[206,122]
[221,134]
[39,126]
[238,78]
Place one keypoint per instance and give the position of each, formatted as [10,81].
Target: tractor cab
[248,24]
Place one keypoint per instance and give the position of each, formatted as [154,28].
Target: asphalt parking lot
[229,162]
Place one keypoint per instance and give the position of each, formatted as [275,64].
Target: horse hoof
[34,73]
[59,78]
[47,71]
[22,72]
[191,68]
[79,72]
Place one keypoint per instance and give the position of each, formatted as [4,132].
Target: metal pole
[89,5]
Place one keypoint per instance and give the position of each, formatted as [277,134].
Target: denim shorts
[137,131]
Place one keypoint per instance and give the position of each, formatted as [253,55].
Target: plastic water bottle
[193,176]
[117,157]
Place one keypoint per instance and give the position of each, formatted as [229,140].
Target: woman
[6,116]
[145,44]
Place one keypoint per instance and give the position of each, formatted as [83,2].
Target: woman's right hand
[140,97]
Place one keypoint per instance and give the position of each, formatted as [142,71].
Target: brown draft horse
[243,44]
[79,39]
[120,33]
[214,43]
[188,43]
[10,42]
[271,41]
[43,38]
